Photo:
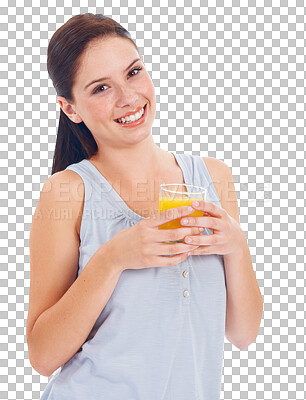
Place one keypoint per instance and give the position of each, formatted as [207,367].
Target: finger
[169,215]
[205,250]
[209,208]
[204,240]
[170,235]
[208,222]
[166,249]
[167,261]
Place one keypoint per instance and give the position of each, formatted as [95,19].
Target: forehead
[106,55]
[109,44]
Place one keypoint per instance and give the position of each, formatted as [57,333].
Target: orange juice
[171,202]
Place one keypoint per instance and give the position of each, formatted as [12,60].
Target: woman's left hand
[227,233]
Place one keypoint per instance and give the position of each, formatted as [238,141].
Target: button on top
[185,274]
[185,293]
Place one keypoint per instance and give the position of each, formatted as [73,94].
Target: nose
[127,97]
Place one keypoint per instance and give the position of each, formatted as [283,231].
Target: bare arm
[63,309]
[61,330]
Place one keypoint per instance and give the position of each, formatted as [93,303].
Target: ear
[68,110]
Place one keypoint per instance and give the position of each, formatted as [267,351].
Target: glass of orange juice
[177,195]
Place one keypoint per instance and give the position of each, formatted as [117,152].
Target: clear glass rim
[163,185]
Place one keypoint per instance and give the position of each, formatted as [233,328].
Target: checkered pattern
[230,84]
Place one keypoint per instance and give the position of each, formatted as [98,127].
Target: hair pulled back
[74,141]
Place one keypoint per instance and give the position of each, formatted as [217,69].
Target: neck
[138,163]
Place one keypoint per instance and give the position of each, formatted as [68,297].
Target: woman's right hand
[143,245]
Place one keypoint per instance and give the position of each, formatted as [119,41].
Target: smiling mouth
[140,117]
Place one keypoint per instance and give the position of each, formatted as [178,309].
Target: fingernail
[188,239]
[190,209]
[196,203]
[184,221]
[202,229]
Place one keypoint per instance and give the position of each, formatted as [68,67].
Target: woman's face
[126,88]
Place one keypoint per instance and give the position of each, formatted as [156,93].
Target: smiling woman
[123,312]
[88,111]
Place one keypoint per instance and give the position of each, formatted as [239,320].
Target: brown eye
[96,90]
[135,69]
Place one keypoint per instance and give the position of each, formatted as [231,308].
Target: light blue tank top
[161,334]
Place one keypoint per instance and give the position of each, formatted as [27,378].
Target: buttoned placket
[185,281]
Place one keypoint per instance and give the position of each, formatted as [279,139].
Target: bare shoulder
[62,180]
[65,191]
[222,178]
[216,168]
[217,172]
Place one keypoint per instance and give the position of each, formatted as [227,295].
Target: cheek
[96,109]
[150,89]
[149,93]
[88,107]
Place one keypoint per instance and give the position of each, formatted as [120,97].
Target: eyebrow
[105,78]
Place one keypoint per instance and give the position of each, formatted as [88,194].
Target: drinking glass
[177,195]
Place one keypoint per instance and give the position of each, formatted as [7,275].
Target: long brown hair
[74,141]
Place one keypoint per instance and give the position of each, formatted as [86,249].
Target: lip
[135,123]
[131,112]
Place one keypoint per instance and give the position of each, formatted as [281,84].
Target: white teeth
[132,118]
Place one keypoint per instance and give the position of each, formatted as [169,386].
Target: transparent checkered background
[229,83]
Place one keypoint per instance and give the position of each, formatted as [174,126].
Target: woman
[121,319]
